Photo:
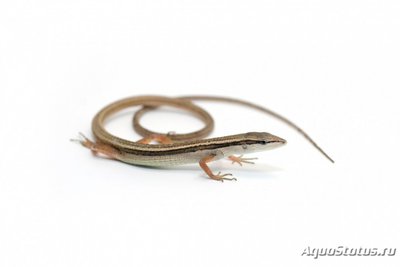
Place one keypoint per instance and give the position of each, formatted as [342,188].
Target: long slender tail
[264,110]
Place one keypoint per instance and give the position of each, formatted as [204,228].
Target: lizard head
[261,141]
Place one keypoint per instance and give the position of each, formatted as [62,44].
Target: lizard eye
[263,142]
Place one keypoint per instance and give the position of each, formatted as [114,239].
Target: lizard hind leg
[159,138]
[96,147]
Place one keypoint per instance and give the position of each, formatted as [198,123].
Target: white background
[331,66]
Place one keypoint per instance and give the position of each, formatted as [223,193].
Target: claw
[222,177]
[81,139]
[240,160]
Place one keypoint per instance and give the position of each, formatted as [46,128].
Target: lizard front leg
[219,177]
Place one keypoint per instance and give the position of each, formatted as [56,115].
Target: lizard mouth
[277,140]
